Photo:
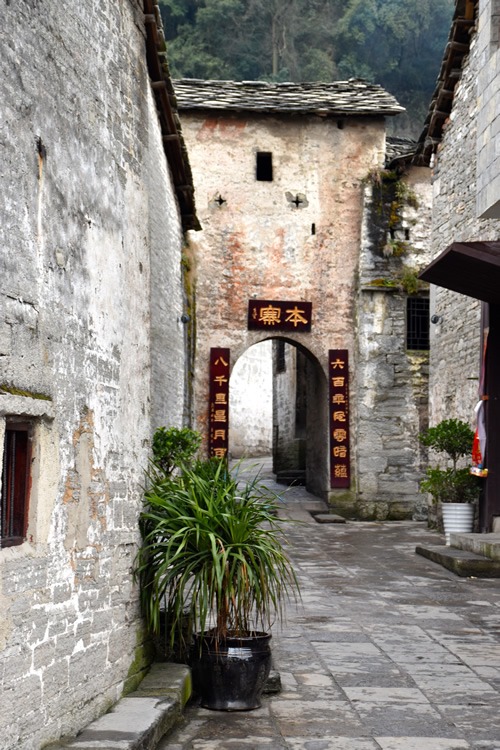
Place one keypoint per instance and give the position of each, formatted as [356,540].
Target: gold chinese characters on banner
[338,371]
[279,316]
[219,403]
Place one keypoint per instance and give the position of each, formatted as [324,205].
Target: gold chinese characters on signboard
[279,316]
[338,373]
[218,437]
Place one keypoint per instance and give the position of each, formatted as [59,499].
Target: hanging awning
[471,268]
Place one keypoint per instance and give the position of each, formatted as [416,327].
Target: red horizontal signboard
[270,315]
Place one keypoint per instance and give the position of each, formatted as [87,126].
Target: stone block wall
[91,351]
[455,340]
[488,115]
[391,381]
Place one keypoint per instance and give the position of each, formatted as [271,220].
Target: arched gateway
[292,249]
[289,394]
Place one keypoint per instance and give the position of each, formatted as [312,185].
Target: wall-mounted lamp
[436,319]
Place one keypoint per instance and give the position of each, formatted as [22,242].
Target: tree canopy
[396,43]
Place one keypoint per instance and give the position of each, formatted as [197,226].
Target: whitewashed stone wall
[89,255]
[251,403]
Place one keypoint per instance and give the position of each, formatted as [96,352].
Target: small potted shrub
[212,559]
[172,448]
[451,486]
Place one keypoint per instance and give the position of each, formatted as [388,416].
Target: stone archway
[279,389]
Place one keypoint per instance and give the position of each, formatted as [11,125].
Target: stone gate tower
[281,174]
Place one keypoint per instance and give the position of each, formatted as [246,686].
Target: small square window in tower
[264,166]
[15,483]
[417,323]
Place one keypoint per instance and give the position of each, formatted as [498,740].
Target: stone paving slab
[387,651]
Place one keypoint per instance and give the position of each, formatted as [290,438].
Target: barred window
[417,323]
[14,499]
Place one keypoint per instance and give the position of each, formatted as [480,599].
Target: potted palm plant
[212,558]
[451,486]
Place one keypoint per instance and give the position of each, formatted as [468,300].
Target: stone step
[327,517]
[487,545]
[290,477]
[139,720]
[460,561]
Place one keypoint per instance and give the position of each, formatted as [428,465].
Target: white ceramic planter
[458,518]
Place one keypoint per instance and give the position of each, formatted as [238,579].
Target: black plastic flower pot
[230,674]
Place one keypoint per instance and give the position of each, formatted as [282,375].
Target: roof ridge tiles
[354,96]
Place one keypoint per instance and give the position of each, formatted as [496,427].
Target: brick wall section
[82,245]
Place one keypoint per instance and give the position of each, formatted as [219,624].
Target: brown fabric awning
[471,268]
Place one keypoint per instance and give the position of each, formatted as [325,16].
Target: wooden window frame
[16,482]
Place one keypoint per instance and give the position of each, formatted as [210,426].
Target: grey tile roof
[399,149]
[353,97]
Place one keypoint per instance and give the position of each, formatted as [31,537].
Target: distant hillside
[396,43]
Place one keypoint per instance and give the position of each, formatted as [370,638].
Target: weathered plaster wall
[251,402]
[285,443]
[80,249]
[169,330]
[258,244]
[391,380]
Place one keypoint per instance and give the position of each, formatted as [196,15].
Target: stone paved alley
[388,651]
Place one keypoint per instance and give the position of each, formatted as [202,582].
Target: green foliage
[389,283]
[453,438]
[397,43]
[14,391]
[172,448]
[212,554]
[450,485]
[409,280]
[390,197]
[395,248]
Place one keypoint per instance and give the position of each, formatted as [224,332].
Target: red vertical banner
[218,435]
[338,374]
